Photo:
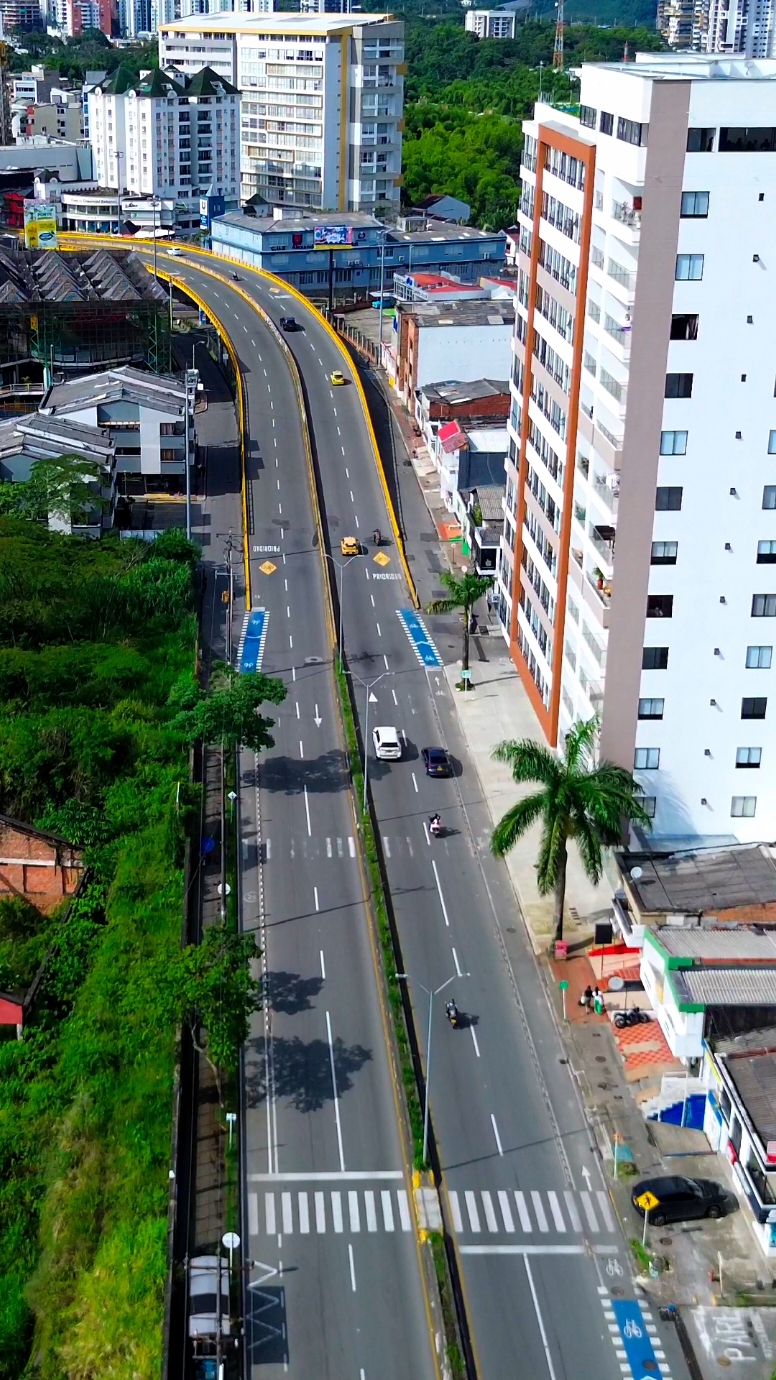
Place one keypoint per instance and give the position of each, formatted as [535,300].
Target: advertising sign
[40,225]
[332,236]
[209,208]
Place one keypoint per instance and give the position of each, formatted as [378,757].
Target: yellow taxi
[338,378]
[349,546]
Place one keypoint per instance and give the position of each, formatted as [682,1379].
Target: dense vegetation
[465,100]
[73,57]
[99,707]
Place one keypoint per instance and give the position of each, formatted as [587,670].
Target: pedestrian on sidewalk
[586,999]
[598,1001]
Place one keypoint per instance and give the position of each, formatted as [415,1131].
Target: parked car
[387,744]
[204,1311]
[289,323]
[436,761]
[680,1199]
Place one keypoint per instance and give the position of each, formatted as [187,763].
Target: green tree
[462,595]
[218,994]
[66,487]
[228,713]
[577,800]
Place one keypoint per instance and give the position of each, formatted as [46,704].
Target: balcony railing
[605,549]
[607,495]
[626,214]
[615,441]
[621,275]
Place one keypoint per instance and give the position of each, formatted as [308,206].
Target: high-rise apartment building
[637,576]
[322,100]
[746,27]
[491,23]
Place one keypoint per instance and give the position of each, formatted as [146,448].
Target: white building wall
[464,352]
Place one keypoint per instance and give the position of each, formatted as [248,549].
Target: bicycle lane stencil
[635,1332]
[418,634]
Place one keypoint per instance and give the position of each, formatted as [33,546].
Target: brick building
[40,867]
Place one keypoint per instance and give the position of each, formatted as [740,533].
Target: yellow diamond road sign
[268,568]
[648,1201]
[382,559]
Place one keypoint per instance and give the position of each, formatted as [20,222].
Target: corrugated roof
[755,1078]
[708,881]
[726,986]
[711,944]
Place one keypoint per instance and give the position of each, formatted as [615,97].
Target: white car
[175,252]
[387,744]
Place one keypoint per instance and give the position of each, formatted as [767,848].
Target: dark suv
[288,323]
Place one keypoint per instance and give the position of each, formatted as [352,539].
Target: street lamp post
[119,154]
[370,698]
[342,567]
[383,236]
[192,379]
[430,992]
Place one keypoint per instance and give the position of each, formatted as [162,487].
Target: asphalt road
[538,1247]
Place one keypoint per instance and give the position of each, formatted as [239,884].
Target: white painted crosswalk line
[304,1214]
[385,1196]
[605,1209]
[539,1213]
[506,1211]
[522,1211]
[557,1215]
[269,1213]
[587,1204]
[490,1213]
[371,1215]
[571,1208]
[320,1212]
[336,1210]
[455,1210]
[287,1213]
[253,1214]
[404,1210]
[471,1208]
[353,1212]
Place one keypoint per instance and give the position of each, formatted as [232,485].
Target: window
[752,140]
[695,205]
[646,759]
[668,499]
[759,658]
[766,553]
[769,496]
[684,327]
[753,707]
[654,659]
[748,757]
[648,804]
[631,132]
[764,605]
[673,443]
[662,605]
[664,552]
[689,268]
[588,116]
[743,806]
[772,443]
[651,709]
[678,385]
[607,122]
[700,141]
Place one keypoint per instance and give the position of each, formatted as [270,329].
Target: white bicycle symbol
[613,1267]
[631,1329]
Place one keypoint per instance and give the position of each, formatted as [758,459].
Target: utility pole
[560,28]
[192,380]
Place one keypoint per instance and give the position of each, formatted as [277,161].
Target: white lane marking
[290,640]
[372,597]
[455,1210]
[307,812]
[320,1213]
[326,1176]
[385,1198]
[353,1271]
[298,715]
[506,1211]
[496,1134]
[336,1094]
[293,668]
[415,782]
[323,966]
[393,692]
[471,1208]
[304,1214]
[336,1210]
[387,847]
[253,1214]
[269,1213]
[587,1204]
[377,625]
[489,1210]
[404,1210]
[552,1199]
[347,472]
[571,1208]
[355,519]
[285,582]
[457,965]
[538,1206]
[301,748]
[315,893]
[329,849]
[536,1250]
[539,1319]
[439,889]
[351,497]
[288,610]
[425,831]
[385,659]
[369,1205]
[288,1216]
[474,1041]
[522,1211]
[604,1207]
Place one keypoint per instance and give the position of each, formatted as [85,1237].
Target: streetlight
[430,992]
[383,237]
[118,155]
[192,380]
[342,567]
[370,699]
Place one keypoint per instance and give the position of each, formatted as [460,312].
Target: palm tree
[462,594]
[577,800]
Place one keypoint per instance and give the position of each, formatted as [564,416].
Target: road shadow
[323,774]
[290,993]
[302,1071]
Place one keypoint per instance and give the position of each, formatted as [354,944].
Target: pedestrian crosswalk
[536,1213]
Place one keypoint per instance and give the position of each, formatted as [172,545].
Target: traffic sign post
[564,987]
[647,1201]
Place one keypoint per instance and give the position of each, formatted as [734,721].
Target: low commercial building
[457,401]
[740,1121]
[27,439]
[734,885]
[72,162]
[458,340]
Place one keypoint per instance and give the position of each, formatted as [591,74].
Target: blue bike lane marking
[254,636]
[636,1341]
[418,635]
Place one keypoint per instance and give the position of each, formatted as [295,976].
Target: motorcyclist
[435,824]
[376,536]
[451,1011]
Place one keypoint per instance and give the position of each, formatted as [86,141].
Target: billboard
[209,207]
[40,225]
[332,236]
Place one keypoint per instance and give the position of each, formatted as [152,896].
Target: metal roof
[704,881]
[454,391]
[754,1076]
[731,943]
[476,313]
[725,986]
[162,393]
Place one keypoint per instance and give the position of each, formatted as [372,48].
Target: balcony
[607,491]
[602,539]
[627,214]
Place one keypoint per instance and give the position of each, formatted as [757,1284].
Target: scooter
[633,1017]
[451,1011]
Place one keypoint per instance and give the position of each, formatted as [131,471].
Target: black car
[436,761]
[680,1199]
[289,323]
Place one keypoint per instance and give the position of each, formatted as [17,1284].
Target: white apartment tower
[745,27]
[322,101]
[637,577]
[491,23]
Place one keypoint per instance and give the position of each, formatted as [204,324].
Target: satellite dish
[636,873]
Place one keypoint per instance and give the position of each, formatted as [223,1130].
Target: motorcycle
[435,826]
[377,537]
[236,279]
[633,1017]
[451,1011]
